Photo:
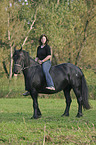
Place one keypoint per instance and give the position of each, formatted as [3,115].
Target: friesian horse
[65,76]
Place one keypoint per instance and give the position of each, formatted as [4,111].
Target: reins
[26,67]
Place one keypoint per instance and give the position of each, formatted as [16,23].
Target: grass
[18,129]
[9,88]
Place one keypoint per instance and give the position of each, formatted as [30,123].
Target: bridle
[23,68]
[27,67]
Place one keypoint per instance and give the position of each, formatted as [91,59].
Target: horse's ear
[20,49]
[15,48]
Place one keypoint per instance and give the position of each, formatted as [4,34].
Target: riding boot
[26,93]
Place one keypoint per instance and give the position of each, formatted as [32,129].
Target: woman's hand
[40,61]
[36,59]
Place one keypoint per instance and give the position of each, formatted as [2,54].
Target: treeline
[69,25]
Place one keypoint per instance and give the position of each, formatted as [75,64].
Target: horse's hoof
[79,115]
[65,114]
[36,117]
[39,116]
[32,117]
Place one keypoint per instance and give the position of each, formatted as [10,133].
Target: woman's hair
[43,35]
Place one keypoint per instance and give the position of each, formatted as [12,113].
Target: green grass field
[16,127]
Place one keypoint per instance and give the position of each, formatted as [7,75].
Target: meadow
[18,129]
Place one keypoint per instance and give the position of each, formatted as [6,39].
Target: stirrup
[26,93]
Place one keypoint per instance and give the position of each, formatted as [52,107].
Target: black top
[43,52]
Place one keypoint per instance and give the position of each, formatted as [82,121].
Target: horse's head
[18,58]
[21,60]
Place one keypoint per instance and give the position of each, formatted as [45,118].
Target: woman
[43,57]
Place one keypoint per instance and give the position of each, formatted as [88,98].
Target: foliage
[91,81]
[14,27]
[69,30]
[69,25]
[17,127]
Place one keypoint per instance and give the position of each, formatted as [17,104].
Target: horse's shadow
[17,116]
[26,117]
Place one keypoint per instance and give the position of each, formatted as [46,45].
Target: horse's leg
[77,92]
[37,112]
[68,101]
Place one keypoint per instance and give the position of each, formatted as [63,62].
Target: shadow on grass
[18,117]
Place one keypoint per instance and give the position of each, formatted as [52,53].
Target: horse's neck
[33,62]
[29,65]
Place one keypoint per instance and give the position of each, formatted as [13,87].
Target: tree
[17,26]
[69,25]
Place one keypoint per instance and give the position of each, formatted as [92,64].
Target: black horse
[66,76]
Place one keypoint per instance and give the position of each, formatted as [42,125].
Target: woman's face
[43,40]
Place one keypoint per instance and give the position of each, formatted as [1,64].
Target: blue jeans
[46,67]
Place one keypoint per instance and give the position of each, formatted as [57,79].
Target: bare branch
[31,27]
[57,2]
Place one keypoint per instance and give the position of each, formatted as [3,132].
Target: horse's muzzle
[17,72]
[17,69]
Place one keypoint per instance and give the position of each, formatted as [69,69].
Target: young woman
[43,57]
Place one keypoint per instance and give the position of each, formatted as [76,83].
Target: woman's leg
[46,67]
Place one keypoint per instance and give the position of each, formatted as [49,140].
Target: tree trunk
[11,52]
[11,63]
[57,2]
[81,44]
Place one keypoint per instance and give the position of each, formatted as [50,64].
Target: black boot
[26,93]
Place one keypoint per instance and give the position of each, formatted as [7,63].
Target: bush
[91,81]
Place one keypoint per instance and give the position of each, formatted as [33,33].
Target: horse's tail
[85,94]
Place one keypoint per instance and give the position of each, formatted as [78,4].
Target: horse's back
[63,75]
[66,74]
[59,75]
[66,69]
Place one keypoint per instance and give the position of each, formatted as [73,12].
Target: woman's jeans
[46,67]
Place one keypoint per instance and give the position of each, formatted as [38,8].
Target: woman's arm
[46,58]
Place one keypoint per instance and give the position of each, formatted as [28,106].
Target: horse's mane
[27,56]
[32,61]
